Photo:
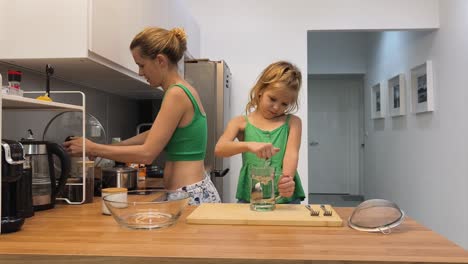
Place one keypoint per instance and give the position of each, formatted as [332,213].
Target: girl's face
[148,68]
[274,102]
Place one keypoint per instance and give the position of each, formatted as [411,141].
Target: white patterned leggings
[200,192]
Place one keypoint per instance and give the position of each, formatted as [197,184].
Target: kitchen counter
[81,234]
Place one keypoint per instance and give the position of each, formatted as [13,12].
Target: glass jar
[74,187]
[120,197]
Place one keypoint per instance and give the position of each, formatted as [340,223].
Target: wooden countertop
[81,234]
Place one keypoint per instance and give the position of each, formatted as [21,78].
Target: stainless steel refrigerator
[212,79]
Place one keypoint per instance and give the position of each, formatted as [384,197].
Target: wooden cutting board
[240,214]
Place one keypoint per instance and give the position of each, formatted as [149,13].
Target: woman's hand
[286,186]
[75,146]
[263,150]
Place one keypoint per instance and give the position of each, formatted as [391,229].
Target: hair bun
[179,33]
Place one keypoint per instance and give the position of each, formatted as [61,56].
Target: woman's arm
[174,105]
[136,140]
[286,185]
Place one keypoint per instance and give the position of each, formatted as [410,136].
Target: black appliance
[12,172]
[24,194]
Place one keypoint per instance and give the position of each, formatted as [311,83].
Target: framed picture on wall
[396,95]
[377,102]
[422,88]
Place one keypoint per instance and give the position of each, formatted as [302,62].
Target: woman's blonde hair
[281,75]
[153,41]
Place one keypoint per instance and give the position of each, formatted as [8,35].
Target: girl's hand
[263,150]
[286,186]
[75,146]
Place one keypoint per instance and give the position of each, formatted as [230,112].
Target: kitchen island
[81,234]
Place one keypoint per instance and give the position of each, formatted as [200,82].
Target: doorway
[335,125]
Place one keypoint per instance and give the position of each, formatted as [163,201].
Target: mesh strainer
[376,215]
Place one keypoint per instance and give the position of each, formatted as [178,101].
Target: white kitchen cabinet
[87,41]
[114,23]
[43,29]
[13,102]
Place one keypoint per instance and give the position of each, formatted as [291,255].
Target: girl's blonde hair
[153,41]
[281,75]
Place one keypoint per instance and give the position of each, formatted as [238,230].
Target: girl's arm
[286,184]
[172,109]
[291,155]
[227,147]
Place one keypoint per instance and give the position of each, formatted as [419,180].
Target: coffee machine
[12,172]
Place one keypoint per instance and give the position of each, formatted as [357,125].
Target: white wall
[249,35]
[337,52]
[420,161]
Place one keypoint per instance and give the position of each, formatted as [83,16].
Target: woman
[180,127]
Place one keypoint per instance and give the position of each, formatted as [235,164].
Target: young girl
[268,133]
[180,127]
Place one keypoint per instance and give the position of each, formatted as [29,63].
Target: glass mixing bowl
[147,209]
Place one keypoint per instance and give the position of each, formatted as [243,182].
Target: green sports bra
[188,143]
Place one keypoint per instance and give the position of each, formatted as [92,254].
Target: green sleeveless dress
[279,138]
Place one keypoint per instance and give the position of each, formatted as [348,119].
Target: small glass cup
[262,191]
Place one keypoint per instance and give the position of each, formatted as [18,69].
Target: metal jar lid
[114,190]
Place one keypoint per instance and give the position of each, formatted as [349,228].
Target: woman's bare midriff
[181,173]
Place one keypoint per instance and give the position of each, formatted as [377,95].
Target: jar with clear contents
[74,188]
[262,194]
[121,197]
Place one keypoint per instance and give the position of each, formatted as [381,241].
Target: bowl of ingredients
[146,209]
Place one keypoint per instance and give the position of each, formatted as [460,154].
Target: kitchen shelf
[24,103]
[15,102]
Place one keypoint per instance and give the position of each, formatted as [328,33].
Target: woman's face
[148,68]
[274,102]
